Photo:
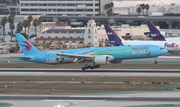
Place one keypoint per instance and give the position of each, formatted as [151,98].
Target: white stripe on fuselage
[169,45]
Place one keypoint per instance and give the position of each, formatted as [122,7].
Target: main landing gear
[89,66]
[155,62]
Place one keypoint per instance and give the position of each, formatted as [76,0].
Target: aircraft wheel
[83,68]
[97,66]
[89,67]
[155,62]
[92,67]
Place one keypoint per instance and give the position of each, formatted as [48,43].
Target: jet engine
[116,61]
[103,60]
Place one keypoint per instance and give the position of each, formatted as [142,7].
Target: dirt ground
[82,85]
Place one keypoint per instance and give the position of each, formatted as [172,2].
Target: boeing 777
[97,56]
[116,40]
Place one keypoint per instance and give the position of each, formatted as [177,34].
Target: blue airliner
[97,56]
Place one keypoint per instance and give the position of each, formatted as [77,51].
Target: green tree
[3,23]
[12,14]
[143,7]
[108,7]
[25,24]
[25,35]
[11,22]
[35,24]
[39,23]
[30,19]
[11,25]
[138,10]
[147,8]
[19,27]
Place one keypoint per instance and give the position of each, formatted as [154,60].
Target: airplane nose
[165,51]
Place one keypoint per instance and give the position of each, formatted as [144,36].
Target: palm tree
[39,23]
[25,24]
[112,4]
[11,24]
[12,14]
[147,8]
[35,24]
[19,27]
[138,10]
[30,19]
[109,12]
[3,23]
[142,7]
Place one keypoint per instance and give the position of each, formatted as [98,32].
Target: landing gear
[155,62]
[89,66]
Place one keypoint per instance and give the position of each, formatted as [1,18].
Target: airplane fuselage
[169,45]
[117,52]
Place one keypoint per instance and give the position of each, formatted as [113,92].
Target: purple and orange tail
[154,33]
[112,36]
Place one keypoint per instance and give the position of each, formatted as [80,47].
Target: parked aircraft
[113,38]
[159,36]
[97,56]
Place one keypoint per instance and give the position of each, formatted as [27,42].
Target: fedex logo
[152,35]
[173,45]
[110,33]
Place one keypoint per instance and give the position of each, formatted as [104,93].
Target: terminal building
[128,7]
[89,36]
[60,7]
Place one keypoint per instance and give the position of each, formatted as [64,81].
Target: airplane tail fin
[112,36]
[154,33]
[25,45]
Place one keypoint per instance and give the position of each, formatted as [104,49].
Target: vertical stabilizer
[25,45]
[154,33]
[112,36]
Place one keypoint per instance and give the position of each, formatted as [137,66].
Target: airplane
[114,39]
[156,35]
[96,56]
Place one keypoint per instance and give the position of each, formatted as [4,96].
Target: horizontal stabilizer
[24,57]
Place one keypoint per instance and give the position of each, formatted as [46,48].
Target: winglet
[25,45]
[154,33]
[112,36]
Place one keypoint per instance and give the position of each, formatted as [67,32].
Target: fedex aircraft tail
[154,33]
[112,36]
[25,45]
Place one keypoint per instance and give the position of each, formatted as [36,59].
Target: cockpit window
[162,48]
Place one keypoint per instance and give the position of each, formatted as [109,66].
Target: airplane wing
[75,56]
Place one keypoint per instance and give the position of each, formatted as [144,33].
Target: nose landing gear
[155,62]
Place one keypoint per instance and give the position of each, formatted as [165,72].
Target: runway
[98,72]
[12,57]
[101,100]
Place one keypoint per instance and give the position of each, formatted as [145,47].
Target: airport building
[128,7]
[60,7]
[88,36]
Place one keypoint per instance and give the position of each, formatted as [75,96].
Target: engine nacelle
[116,61]
[103,59]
